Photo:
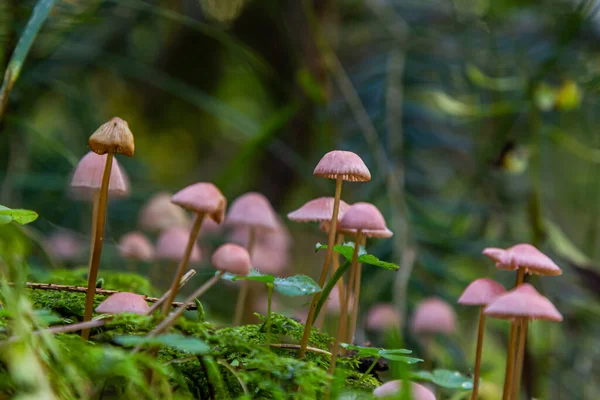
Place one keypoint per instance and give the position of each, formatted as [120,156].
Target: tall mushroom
[360,219]
[203,199]
[254,212]
[480,292]
[522,304]
[113,137]
[524,258]
[341,166]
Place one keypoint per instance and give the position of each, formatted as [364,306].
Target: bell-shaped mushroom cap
[64,246]
[366,218]
[523,256]
[172,243]
[383,316]
[481,292]
[392,388]
[344,164]
[87,177]
[232,258]
[123,302]
[159,214]
[318,210]
[433,315]
[136,246]
[523,302]
[113,137]
[252,210]
[202,198]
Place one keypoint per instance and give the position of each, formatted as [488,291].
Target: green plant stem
[237,376]
[324,269]
[269,298]
[350,289]
[368,371]
[38,16]
[97,246]
[512,341]
[243,295]
[183,263]
[520,355]
[480,335]
[343,322]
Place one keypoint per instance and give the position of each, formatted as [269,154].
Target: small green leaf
[175,340]
[446,379]
[200,311]
[254,275]
[397,357]
[372,260]
[297,285]
[19,216]
[362,351]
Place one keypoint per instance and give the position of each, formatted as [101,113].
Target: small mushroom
[522,304]
[171,246]
[203,199]
[480,292]
[159,214]
[341,166]
[383,317]
[114,137]
[63,246]
[135,246]
[432,316]
[391,389]
[123,302]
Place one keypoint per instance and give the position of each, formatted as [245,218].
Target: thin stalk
[512,342]
[183,263]
[350,289]
[344,314]
[243,295]
[184,279]
[368,371]
[324,269]
[520,355]
[269,298]
[96,200]
[340,283]
[357,281]
[480,335]
[97,246]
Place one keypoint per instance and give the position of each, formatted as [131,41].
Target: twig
[82,289]
[297,347]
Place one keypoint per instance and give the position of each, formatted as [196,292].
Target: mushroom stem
[340,283]
[184,279]
[94,216]
[97,246]
[512,342]
[183,263]
[245,289]
[166,323]
[520,355]
[357,282]
[343,323]
[324,269]
[480,335]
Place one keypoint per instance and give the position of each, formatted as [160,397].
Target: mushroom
[341,166]
[254,212]
[522,304]
[321,210]
[171,246]
[392,388]
[123,302]
[432,316]
[134,246]
[204,199]
[159,214]
[113,137]
[480,292]
[525,258]
[360,219]
[382,317]
[230,258]
[63,245]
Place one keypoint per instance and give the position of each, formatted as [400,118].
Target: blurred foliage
[476,118]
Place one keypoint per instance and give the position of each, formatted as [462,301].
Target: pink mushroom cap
[481,292]
[318,210]
[202,197]
[87,177]
[232,258]
[123,302]
[159,214]
[392,388]
[64,245]
[172,243]
[252,210]
[136,246]
[364,217]
[433,315]
[523,256]
[383,316]
[523,302]
[344,164]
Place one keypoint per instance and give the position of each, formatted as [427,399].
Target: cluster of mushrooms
[258,229]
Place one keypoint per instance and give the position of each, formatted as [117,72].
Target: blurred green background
[476,118]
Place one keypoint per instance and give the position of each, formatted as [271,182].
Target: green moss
[121,281]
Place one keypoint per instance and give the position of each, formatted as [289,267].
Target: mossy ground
[239,354]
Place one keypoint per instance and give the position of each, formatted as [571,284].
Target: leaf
[362,351]
[391,354]
[372,260]
[254,275]
[446,379]
[20,216]
[404,359]
[297,285]
[329,286]
[175,340]
[347,250]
